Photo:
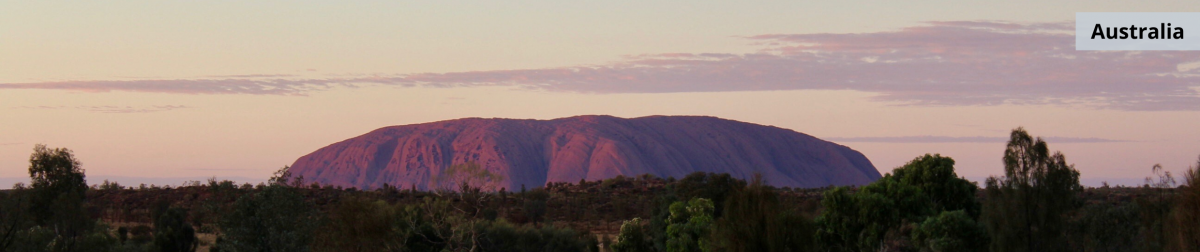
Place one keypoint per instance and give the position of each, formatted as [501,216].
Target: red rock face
[534,152]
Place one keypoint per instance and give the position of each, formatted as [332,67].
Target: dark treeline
[1037,205]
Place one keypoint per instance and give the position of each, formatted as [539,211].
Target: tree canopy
[1025,208]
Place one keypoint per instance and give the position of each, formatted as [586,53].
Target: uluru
[531,153]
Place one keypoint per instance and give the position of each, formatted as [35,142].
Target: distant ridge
[534,152]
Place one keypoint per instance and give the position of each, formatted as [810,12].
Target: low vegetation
[1038,205]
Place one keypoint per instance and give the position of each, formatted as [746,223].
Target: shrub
[950,231]
[632,238]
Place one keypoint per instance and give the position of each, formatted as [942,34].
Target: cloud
[939,63]
[253,76]
[130,109]
[186,86]
[113,109]
[970,139]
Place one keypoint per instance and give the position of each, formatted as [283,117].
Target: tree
[173,233]
[359,224]
[284,177]
[689,227]
[935,176]
[1155,209]
[754,221]
[1025,208]
[872,218]
[274,219]
[56,177]
[712,186]
[660,217]
[14,217]
[862,221]
[471,183]
[950,231]
[58,193]
[503,237]
[1105,227]
[632,238]
[535,204]
[1185,224]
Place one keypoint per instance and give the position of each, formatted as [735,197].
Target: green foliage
[434,225]
[862,220]
[111,186]
[424,226]
[173,233]
[660,215]
[58,188]
[535,204]
[855,222]
[712,186]
[14,215]
[41,239]
[689,226]
[283,177]
[58,193]
[908,202]
[141,234]
[1105,227]
[754,221]
[935,176]
[359,224]
[504,237]
[632,238]
[620,181]
[950,231]
[273,219]
[1025,209]
[877,213]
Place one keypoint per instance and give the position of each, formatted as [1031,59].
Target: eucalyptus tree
[1025,209]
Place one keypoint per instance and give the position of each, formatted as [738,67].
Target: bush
[632,238]
[503,236]
[712,186]
[359,224]
[173,233]
[862,220]
[935,176]
[689,227]
[754,221]
[274,219]
[950,231]
[880,214]
[1104,227]
[535,204]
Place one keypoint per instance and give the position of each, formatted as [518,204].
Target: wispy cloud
[112,109]
[969,139]
[253,76]
[940,63]
[192,86]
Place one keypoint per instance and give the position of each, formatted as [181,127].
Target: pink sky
[230,89]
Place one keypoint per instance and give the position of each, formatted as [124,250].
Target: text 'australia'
[1163,31]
